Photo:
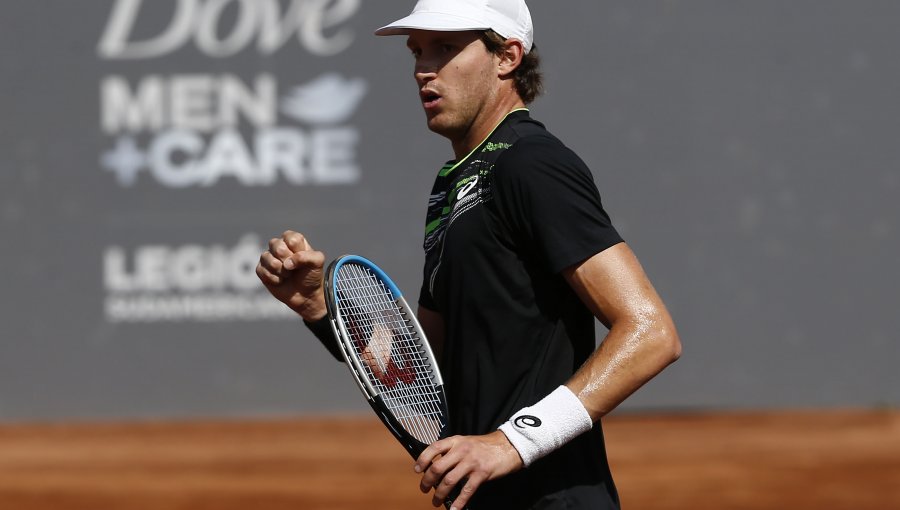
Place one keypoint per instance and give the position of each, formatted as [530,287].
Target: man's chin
[440,126]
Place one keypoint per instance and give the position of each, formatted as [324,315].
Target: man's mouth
[430,98]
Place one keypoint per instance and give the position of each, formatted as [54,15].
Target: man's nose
[425,72]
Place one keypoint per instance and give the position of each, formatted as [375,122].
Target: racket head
[386,351]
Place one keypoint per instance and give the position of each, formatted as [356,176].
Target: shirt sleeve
[547,197]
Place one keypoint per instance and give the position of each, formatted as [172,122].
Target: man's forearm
[627,359]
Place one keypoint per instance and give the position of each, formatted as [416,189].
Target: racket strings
[383,336]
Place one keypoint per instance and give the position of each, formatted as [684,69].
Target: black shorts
[576,477]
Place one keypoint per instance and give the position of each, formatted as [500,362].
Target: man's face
[456,76]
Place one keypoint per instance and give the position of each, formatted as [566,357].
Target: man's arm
[642,339]
[641,342]
[293,272]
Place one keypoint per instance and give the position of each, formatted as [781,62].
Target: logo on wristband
[527,421]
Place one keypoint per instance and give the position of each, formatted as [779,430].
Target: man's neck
[483,125]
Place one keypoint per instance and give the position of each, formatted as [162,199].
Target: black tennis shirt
[502,224]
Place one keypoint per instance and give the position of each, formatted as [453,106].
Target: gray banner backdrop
[747,151]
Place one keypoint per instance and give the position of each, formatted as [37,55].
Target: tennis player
[521,257]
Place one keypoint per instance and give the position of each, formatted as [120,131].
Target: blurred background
[747,151]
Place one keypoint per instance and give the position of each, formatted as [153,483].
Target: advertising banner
[150,150]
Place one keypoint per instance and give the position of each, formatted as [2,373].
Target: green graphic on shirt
[491,147]
[429,228]
[446,169]
[446,190]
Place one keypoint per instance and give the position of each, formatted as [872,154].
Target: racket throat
[412,445]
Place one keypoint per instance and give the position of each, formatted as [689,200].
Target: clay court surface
[797,460]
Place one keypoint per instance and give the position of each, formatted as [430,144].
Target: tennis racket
[386,350]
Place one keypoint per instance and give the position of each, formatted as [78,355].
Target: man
[520,259]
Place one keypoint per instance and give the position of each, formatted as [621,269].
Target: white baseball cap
[509,18]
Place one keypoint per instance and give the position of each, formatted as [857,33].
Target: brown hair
[528,77]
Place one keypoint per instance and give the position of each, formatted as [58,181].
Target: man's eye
[446,48]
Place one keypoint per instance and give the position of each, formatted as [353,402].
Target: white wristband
[554,421]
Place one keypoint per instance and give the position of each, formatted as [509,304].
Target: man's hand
[293,272]
[470,459]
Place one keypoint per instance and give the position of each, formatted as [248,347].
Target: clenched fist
[292,271]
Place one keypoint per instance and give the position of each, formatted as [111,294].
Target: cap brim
[438,22]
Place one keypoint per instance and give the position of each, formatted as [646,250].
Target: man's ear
[511,57]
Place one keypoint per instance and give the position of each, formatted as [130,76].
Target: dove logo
[316,24]
[193,125]
[329,99]
[156,283]
[189,101]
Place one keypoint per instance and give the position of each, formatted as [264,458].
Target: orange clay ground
[788,460]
